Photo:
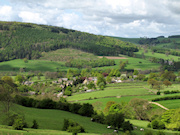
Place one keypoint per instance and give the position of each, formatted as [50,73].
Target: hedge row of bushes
[171,92]
[85,109]
[167,98]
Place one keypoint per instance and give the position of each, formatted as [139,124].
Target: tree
[108,79]
[19,79]
[127,126]
[152,82]
[18,124]
[140,107]
[108,105]
[116,120]
[167,83]
[100,78]
[6,91]
[86,110]
[35,124]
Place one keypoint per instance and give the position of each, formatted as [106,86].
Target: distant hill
[26,40]
[158,44]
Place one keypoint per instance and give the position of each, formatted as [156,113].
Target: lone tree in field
[167,83]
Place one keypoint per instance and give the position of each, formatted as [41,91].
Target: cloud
[32,17]
[5,13]
[130,18]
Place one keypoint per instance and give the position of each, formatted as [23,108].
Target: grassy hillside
[53,119]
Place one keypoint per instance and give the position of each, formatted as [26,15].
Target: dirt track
[159,105]
[109,57]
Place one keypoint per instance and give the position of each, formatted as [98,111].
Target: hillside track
[159,105]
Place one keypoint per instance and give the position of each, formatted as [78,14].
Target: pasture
[113,90]
[149,54]
[53,119]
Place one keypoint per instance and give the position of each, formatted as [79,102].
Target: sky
[120,18]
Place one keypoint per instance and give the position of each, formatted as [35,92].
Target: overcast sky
[122,18]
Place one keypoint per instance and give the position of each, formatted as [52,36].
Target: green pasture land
[34,65]
[157,55]
[103,101]
[53,119]
[113,90]
[134,63]
[170,104]
[7,130]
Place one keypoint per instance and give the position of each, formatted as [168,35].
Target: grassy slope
[157,55]
[45,64]
[53,119]
[27,131]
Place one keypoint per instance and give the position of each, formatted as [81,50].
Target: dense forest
[25,40]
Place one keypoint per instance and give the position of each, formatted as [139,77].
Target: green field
[7,130]
[113,90]
[157,55]
[170,104]
[34,65]
[53,119]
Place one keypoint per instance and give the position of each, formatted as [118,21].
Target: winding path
[159,105]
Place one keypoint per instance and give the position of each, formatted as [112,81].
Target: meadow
[149,54]
[113,90]
[53,119]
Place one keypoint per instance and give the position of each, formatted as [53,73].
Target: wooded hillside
[25,40]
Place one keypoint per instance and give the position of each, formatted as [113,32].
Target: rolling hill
[26,40]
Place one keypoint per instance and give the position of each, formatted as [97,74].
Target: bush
[127,126]
[158,93]
[35,124]
[157,124]
[72,126]
[18,124]
[86,110]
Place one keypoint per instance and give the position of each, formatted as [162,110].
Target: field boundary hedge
[167,98]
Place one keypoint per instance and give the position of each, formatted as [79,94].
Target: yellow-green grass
[8,130]
[113,90]
[157,55]
[53,119]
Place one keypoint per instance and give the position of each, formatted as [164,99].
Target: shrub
[72,126]
[158,93]
[86,110]
[157,124]
[35,124]
[127,126]
[18,124]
